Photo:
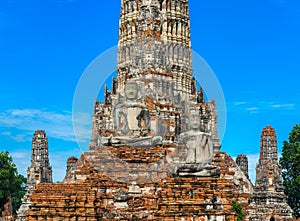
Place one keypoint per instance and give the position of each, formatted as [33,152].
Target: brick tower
[268,170]
[40,170]
[268,201]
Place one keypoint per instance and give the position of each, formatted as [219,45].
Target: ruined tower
[242,162]
[40,170]
[268,201]
[268,170]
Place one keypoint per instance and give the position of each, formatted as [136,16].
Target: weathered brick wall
[97,197]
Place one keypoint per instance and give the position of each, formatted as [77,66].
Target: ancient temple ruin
[154,152]
[268,201]
[40,170]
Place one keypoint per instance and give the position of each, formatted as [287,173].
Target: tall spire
[268,170]
[154,37]
[268,200]
[40,170]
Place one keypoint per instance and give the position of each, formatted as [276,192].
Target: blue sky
[252,45]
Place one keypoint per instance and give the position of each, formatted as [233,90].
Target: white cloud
[269,105]
[57,125]
[17,137]
[238,103]
[259,106]
[252,108]
[283,105]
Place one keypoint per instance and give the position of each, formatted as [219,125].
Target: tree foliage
[238,209]
[290,162]
[11,183]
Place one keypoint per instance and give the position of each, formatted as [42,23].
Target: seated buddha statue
[132,120]
[198,144]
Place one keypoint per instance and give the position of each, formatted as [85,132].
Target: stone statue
[194,85]
[115,85]
[198,143]
[132,120]
[200,96]
[132,116]
[149,92]
[107,96]
[177,125]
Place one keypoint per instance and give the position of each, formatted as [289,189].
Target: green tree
[238,209]
[290,162]
[11,183]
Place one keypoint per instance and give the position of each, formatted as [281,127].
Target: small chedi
[154,152]
[268,201]
[40,170]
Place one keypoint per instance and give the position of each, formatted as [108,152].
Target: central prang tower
[154,43]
